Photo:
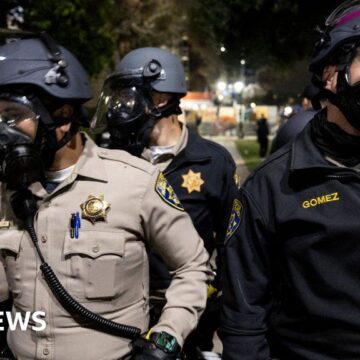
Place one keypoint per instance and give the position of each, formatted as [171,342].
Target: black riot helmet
[126,105]
[339,44]
[37,77]
[41,63]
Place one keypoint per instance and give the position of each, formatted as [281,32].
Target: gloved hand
[157,347]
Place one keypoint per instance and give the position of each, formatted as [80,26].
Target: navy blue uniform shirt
[292,288]
[291,129]
[210,207]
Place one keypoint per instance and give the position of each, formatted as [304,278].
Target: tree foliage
[264,31]
[148,23]
[79,25]
[96,29]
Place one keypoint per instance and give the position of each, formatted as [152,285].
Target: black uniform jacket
[291,129]
[208,208]
[293,264]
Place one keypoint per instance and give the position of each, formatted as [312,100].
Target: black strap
[52,46]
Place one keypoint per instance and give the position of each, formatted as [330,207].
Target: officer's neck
[69,154]
[334,115]
[166,132]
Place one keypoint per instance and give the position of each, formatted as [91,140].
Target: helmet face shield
[122,101]
[18,114]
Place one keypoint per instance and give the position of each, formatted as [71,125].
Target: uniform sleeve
[5,301]
[169,230]
[246,295]
[4,289]
[226,198]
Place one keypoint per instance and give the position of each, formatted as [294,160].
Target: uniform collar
[306,158]
[90,165]
[171,153]
[182,141]
[196,149]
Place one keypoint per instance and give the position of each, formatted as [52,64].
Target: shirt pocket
[95,262]
[10,247]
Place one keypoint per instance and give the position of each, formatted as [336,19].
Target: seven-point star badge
[95,208]
[192,181]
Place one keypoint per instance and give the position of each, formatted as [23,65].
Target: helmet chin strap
[156,114]
[171,108]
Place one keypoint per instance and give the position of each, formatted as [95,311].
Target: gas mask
[126,109]
[20,161]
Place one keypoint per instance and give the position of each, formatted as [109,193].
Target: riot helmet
[42,63]
[36,78]
[126,107]
[339,44]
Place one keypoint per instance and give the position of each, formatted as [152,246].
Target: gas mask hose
[24,206]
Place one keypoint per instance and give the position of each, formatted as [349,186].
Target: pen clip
[72,225]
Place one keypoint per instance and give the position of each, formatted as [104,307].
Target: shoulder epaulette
[126,158]
[219,149]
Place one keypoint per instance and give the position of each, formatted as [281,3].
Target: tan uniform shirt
[106,268]
[4,289]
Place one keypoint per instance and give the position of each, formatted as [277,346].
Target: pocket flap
[11,240]
[96,243]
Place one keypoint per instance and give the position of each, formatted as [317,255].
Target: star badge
[192,181]
[95,208]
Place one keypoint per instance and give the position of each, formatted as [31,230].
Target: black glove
[160,346]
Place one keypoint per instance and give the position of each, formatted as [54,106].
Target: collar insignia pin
[95,208]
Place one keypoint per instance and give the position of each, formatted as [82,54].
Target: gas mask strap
[50,126]
[343,69]
[43,113]
[156,114]
[51,46]
[67,137]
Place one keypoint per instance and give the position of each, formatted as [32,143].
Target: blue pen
[77,224]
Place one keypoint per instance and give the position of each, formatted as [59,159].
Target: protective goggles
[17,112]
[125,96]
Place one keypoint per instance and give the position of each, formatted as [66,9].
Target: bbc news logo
[18,321]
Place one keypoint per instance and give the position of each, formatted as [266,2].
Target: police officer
[202,172]
[95,213]
[292,269]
